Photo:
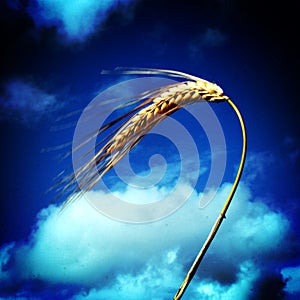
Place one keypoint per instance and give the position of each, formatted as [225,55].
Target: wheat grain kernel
[164,105]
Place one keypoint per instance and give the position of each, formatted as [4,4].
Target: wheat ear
[163,102]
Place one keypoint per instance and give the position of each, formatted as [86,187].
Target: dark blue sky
[51,56]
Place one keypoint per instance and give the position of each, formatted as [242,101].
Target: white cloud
[85,248]
[156,280]
[76,20]
[159,281]
[26,102]
[241,289]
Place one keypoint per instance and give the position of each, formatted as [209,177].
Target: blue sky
[51,57]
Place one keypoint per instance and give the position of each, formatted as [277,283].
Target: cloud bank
[76,20]
[89,256]
[25,102]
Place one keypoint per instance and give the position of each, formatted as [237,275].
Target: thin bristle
[149,71]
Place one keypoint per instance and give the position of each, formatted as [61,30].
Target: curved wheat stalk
[222,215]
[156,105]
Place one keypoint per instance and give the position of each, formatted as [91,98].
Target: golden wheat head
[154,107]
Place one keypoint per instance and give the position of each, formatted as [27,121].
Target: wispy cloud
[75,21]
[210,38]
[213,37]
[100,258]
[256,164]
[26,103]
